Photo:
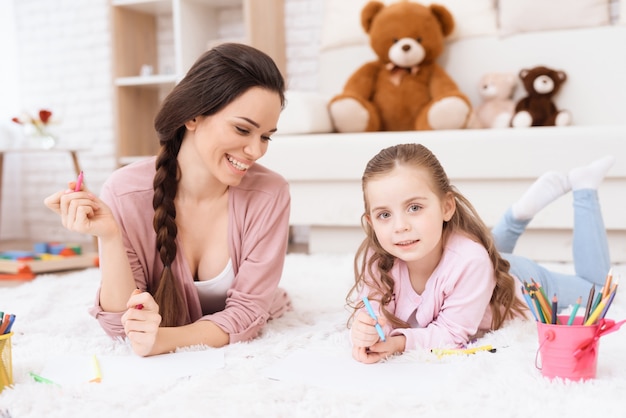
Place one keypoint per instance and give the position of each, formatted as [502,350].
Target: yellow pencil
[451,351]
[96,369]
[597,311]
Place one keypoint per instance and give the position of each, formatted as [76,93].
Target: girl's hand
[363,332]
[82,212]
[141,322]
[380,351]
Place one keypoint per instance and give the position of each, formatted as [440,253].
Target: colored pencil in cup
[555,305]
[592,292]
[572,316]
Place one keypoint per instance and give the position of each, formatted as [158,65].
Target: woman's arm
[117,281]
[141,324]
[81,211]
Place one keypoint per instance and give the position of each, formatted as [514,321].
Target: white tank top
[212,293]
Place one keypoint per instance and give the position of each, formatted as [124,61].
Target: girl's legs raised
[546,189]
[590,245]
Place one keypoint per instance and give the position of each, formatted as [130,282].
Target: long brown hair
[372,259]
[218,77]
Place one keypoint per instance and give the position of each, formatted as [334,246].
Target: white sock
[545,190]
[590,176]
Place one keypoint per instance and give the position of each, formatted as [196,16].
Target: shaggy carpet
[299,367]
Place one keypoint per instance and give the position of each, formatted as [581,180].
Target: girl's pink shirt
[258,229]
[454,305]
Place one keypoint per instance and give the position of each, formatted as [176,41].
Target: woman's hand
[141,322]
[82,212]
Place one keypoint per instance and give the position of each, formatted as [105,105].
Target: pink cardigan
[258,225]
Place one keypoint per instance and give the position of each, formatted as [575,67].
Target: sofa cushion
[305,112]
[342,20]
[517,16]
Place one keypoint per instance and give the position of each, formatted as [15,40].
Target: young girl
[430,266]
[192,241]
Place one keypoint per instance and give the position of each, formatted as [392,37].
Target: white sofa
[490,166]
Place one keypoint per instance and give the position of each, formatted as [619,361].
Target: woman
[192,241]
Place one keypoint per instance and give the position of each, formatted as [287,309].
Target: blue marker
[373,315]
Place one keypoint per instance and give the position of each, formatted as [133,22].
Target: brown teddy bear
[405,88]
[537,108]
[497,107]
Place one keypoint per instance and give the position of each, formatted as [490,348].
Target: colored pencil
[574,310]
[529,302]
[608,303]
[596,312]
[592,292]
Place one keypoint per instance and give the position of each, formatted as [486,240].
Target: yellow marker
[451,351]
[96,369]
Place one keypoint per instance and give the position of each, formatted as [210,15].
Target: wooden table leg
[75,161]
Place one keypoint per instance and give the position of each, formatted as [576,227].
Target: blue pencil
[529,302]
[371,312]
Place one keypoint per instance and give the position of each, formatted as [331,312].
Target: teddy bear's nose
[406,47]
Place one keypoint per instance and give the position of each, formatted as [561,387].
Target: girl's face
[231,140]
[406,215]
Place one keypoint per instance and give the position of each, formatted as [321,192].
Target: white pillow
[622,13]
[305,112]
[342,20]
[516,16]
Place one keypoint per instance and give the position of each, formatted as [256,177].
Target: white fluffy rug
[52,321]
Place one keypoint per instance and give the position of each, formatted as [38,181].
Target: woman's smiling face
[231,140]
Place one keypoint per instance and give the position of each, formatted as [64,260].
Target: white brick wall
[64,53]
[65,65]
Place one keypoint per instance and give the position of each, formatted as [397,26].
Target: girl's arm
[461,301]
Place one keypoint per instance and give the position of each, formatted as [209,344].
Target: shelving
[165,37]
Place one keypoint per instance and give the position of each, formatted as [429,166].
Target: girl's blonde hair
[372,259]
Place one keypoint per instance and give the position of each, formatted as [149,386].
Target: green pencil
[574,310]
[42,379]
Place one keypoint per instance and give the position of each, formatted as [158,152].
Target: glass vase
[38,138]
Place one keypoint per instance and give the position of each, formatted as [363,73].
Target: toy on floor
[46,257]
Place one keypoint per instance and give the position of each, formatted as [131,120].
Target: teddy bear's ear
[523,73]
[446,21]
[368,13]
[562,76]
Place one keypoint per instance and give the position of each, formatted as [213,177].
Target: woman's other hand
[141,322]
